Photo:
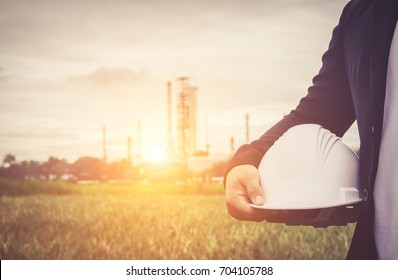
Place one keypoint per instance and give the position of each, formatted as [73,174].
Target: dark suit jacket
[350,86]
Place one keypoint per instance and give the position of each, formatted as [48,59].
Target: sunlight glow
[156,155]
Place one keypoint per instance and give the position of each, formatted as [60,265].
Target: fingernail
[259,200]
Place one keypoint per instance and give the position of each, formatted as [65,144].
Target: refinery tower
[186,118]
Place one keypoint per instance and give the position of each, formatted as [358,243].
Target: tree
[119,169]
[54,168]
[9,159]
[89,168]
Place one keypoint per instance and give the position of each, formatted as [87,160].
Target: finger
[252,182]
[239,208]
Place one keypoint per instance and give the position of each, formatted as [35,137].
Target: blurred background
[145,101]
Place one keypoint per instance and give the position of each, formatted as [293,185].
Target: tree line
[92,168]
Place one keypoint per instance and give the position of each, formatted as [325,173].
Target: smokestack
[170,140]
[139,138]
[104,143]
[129,149]
[232,145]
[247,129]
[207,134]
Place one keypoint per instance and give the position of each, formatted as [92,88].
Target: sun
[156,155]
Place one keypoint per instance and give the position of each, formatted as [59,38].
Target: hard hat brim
[324,217]
[306,207]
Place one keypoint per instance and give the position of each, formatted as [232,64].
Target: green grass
[129,222]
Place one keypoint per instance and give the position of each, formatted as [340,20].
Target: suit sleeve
[328,103]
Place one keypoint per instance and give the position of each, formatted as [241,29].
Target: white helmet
[310,168]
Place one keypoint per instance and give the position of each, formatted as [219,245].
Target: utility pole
[139,139]
[247,129]
[129,140]
[232,145]
[169,121]
[104,157]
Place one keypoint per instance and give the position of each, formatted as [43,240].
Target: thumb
[256,195]
[253,188]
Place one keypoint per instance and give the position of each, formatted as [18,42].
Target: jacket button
[373,129]
[365,195]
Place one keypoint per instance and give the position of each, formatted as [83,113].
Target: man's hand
[241,188]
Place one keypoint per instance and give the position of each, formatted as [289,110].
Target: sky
[69,67]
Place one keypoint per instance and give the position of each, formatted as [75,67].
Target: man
[358,81]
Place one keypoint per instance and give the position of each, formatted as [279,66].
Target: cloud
[3,74]
[113,95]
[8,78]
[108,81]
[108,78]
[82,29]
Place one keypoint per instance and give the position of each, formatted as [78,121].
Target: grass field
[148,222]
